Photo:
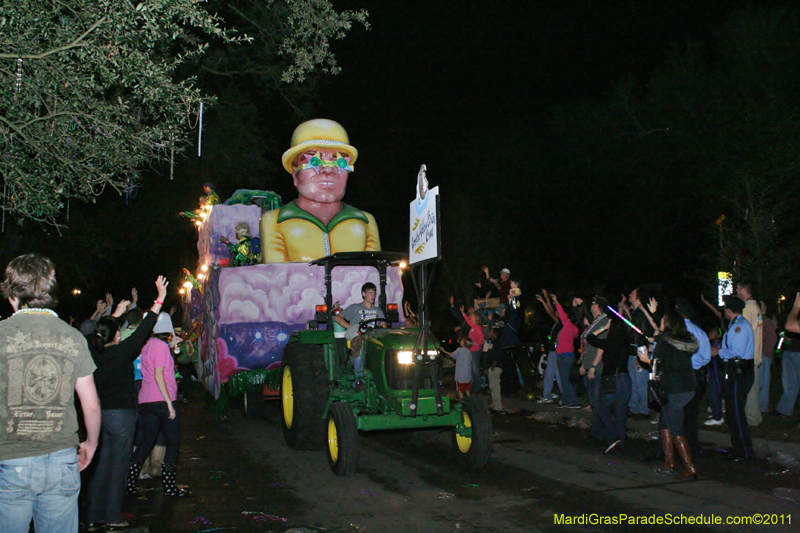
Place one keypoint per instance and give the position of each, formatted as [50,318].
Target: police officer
[736,353]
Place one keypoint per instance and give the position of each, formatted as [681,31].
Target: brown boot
[689,471]
[667,446]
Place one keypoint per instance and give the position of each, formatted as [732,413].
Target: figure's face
[634,297]
[503,276]
[742,293]
[324,184]
[207,189]
[369,296]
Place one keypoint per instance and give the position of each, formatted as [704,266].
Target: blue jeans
[43,489]
[714,391]
[477,355]
[551,374]
[594,389]
[672,413]
[613,411]
[565,362]
[639,377]
[764,377]
[107,486]
[790,379]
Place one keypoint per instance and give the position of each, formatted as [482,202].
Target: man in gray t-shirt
[351,317]
[44,364]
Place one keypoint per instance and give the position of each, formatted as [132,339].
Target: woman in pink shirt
[476,336]
[158,407]
[565,356]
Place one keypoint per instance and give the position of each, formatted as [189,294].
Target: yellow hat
[318,133]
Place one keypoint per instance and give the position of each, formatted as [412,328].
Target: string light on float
[76,292]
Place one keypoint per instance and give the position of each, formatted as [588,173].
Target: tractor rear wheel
[342,439]
[304,394]
[474,451]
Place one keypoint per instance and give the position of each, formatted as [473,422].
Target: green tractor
[325,402]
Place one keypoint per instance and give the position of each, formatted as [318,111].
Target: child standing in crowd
[463,359]
[477,338]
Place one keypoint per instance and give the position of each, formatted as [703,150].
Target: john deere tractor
[325,402]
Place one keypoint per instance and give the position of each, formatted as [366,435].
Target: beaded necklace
[35,311]
[588,330]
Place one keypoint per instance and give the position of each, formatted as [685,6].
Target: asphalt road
[244,478]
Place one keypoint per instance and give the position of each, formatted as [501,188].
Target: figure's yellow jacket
[290,234]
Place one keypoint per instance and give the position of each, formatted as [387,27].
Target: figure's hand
[554,298]
[161,287]
[171,410]
[582,371]
[541,299]
[452,302]
[109,299]
[101,306]
[122,306]
[715,351]
[485,270]
[134,295]
[85,455]
[652,305]
[591,373]
[623,301]
[461,308]
[577,302]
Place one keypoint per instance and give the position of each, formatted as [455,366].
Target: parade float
[265,308]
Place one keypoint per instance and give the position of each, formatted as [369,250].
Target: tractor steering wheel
[364,325]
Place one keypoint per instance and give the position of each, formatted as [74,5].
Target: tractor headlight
[406,357]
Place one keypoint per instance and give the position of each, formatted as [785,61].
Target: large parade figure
[318,222]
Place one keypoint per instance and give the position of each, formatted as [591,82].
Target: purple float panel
[249,312]
[221,222]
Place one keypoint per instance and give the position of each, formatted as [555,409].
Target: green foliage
[95,90]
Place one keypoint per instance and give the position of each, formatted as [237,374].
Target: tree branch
[74,44]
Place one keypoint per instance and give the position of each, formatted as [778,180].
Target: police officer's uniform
[736,353]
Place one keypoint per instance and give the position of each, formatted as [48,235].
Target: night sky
[469,89]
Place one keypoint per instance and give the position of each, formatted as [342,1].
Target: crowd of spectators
[618,357]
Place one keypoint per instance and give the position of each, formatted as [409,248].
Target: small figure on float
[211,198]
[245,251]
[318,223]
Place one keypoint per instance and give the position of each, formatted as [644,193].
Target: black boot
[168,475]
[133,477]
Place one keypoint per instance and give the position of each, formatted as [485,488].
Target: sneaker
[713,422]
[544,400]
[612,446]
[571,406]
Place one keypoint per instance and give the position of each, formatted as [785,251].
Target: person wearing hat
[211,198]
[318,223]
[699,360]
[736,353]
[158,405]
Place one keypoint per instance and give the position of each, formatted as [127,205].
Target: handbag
[656,395]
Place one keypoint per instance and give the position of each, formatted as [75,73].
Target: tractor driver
[355,314]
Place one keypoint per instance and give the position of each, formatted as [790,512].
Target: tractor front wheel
[473,445]
[304,394]
[342,439]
